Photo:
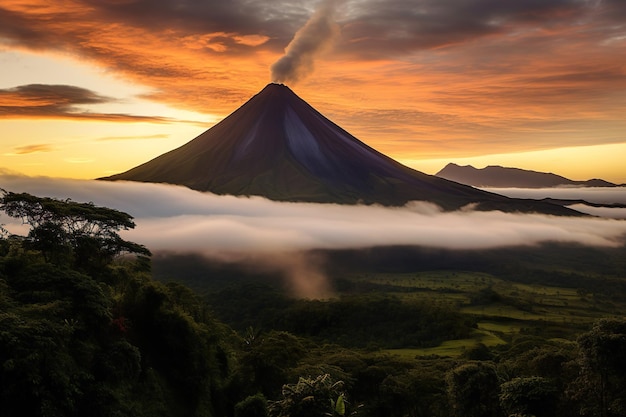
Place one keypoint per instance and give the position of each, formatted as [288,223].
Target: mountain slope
[278,146]
[497,176]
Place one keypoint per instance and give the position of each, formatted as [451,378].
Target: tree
[252,406]
[80,335]
[531,396]
[473,390]
[265,361]
[601,386]
[65,230]
[311,397]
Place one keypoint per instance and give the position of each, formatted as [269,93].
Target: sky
[89,88]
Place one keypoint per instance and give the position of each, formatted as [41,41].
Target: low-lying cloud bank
[173,218]
[599,195]
[609,212]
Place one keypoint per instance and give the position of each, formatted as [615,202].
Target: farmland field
[500,308]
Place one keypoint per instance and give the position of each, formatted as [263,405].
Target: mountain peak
[275,88]
[498,176]
[277,146]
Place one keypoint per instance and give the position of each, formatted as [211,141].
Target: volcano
[277,146]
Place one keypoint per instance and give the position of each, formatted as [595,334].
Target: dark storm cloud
[24,30]
[402,26]
[277,19]
[369,27]
[59,102]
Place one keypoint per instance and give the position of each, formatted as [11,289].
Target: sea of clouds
[175,218]
[596,195]
[279,236]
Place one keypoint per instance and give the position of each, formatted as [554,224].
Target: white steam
[314,38]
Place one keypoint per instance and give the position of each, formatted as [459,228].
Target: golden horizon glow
[92,89]
[559,161]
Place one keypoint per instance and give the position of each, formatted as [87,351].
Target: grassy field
[453,347]
[501,309]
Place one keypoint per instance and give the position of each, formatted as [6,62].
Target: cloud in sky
[40,147]
[372,27]
[47,101]
[176,46]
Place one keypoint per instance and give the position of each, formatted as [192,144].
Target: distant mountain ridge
[503,177]
[277,146]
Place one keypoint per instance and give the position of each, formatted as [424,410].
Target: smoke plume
[315,37]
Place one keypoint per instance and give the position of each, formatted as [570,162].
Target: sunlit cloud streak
[40,147]
[177,219]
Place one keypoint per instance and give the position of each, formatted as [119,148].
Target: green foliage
[311,397]
[68,231]
[81,334]
[265,362]
[73,217]
[338,406]
[479,352]
[252,406]
[531,396]
[382,385]
[473,390]
[391,322]
[601,386]
[119,361]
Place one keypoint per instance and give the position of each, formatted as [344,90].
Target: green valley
[91,324]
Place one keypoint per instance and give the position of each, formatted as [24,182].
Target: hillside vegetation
[86,330]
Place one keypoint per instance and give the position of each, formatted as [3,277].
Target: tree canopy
[65,230]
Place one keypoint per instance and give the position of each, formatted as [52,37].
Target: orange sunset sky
[95,87]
